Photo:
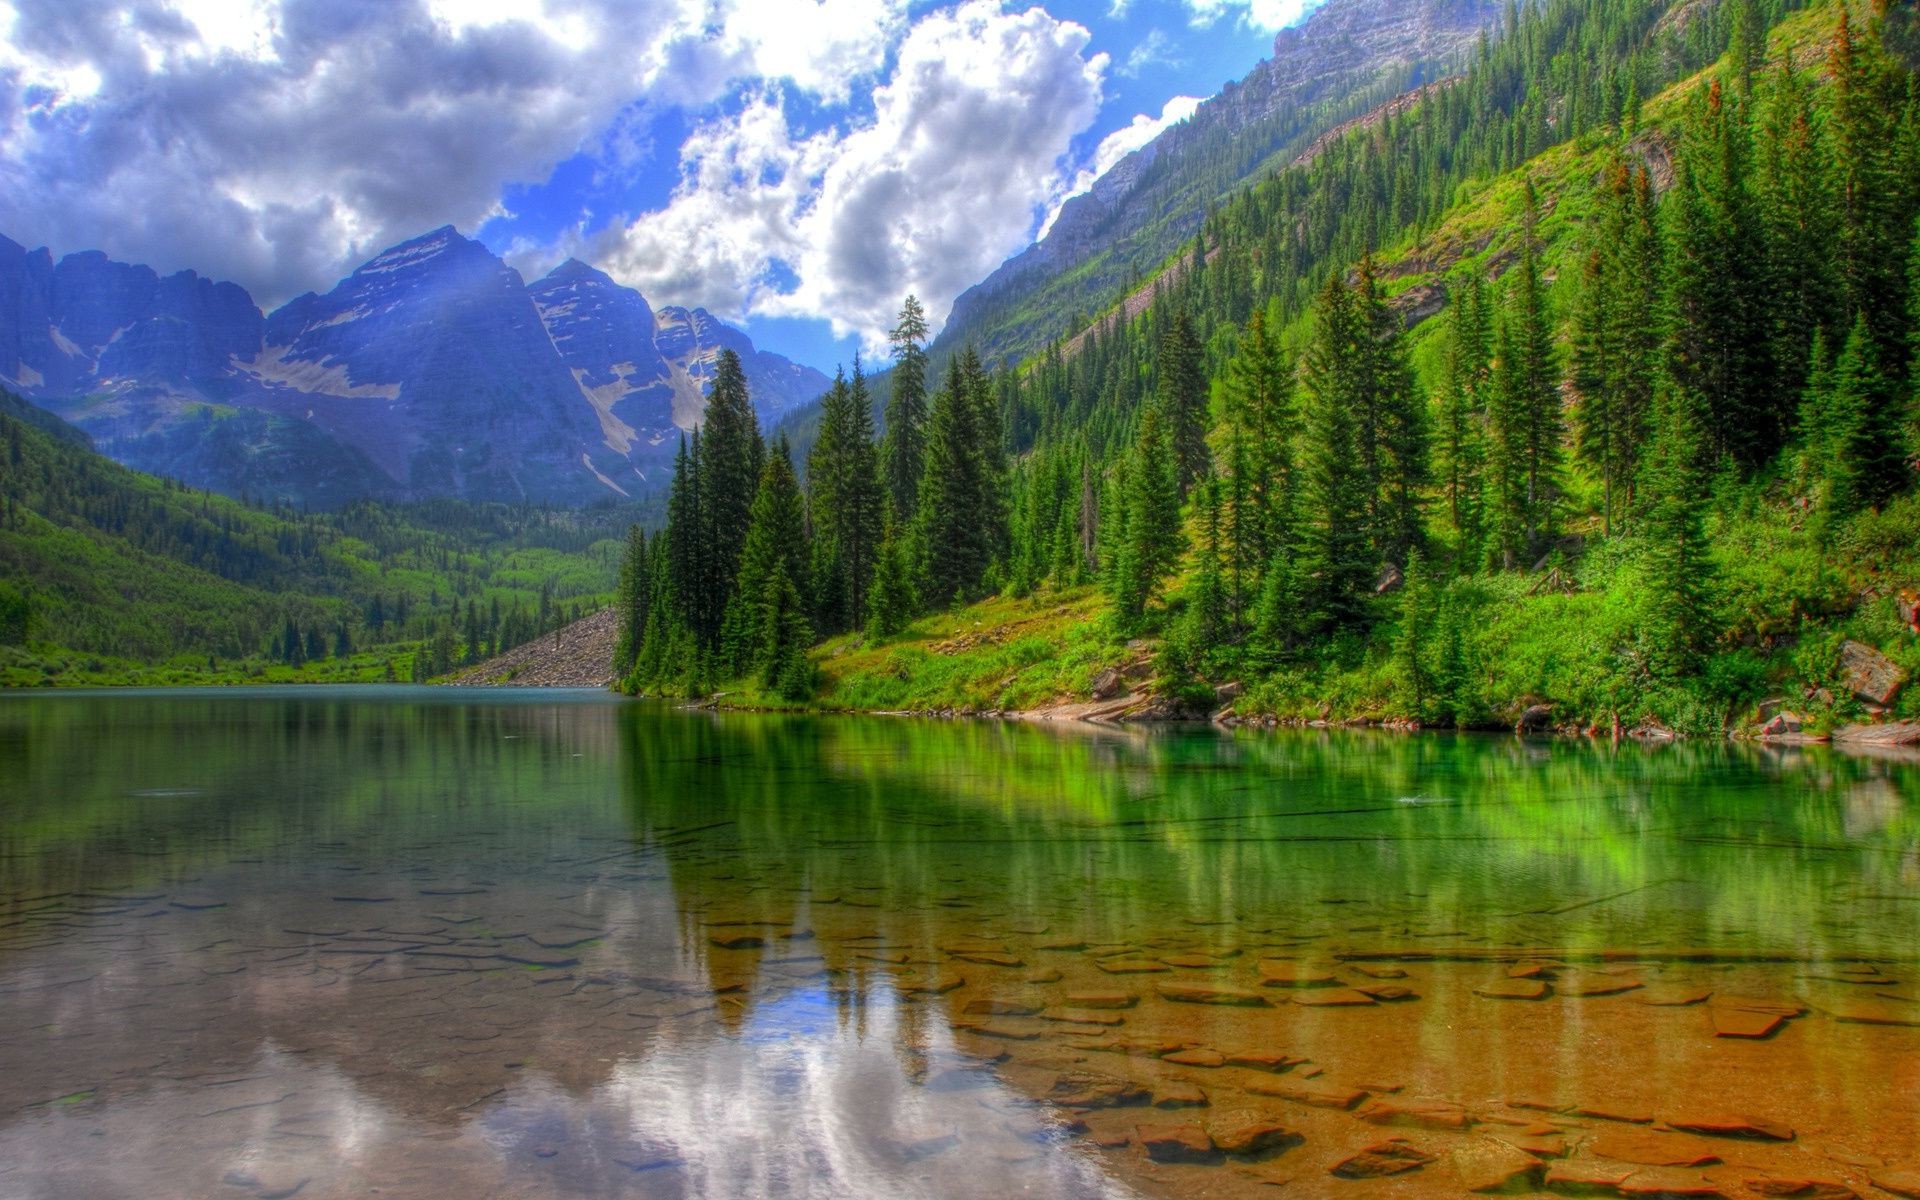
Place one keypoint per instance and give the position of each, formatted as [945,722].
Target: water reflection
[524,944]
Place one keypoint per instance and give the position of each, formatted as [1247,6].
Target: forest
[1589,380]
[111,576]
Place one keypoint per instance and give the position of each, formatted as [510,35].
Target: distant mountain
[432,370]
[1347,58]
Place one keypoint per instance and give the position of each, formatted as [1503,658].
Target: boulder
[1108,684]
[1390,579]
[1892,733]
[1872,677]
[1534,718]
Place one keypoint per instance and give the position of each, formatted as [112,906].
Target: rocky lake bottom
[382,942]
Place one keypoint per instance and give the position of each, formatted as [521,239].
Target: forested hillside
[1584,384]
[108,575]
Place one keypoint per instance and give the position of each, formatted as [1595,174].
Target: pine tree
[903,449]
[1863,437]
[1673,541]
[768,611]
[1258,420]
[1334,562]
[1527,421]
[891,602]
[961,524]
[1461,448]
[1413,679]
[630,601]
[1720,344]
[1149,520]
[1392,415]
[1182,399]
[1874,203]
[731,458]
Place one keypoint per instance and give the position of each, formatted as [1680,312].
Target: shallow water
[330,942]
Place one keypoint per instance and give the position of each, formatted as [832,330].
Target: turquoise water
[443,943]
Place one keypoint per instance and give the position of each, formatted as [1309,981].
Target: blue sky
[796,166]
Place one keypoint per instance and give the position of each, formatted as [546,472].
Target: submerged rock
[1211,993]
[1513,989]
[1487,1165]
[1733,1126]
[1396,1156]
[1176,1143]
[1245,1131]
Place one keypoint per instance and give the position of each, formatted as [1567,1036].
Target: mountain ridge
[432,369]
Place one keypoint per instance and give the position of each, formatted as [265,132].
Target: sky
[795,166]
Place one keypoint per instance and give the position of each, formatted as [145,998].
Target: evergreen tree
[1149,520]
[903,448]
[961,524]
[1182,398]
[630,601]
[1258,420]
[1527,421]
[1861,430]
[1673,541]
[1334,562]
[1461,449]
[1392,421]
[768,611]
[891,602]
[730,462]
[1413,679]
[1720,344]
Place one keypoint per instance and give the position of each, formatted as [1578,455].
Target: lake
[451,943]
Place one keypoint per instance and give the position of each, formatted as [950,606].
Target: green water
[454,942]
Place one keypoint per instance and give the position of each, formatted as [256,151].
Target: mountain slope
[432,370]
[126,566]
[1345,59]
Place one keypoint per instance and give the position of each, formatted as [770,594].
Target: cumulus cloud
[963,150]
[1269,15]
[278,142]
[1120,143]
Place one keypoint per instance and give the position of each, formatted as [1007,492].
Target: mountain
[432,370]
[1348,57]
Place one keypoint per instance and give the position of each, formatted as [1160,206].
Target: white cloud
[1269,15]
[278,142]
[1120,143]
[938,187]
